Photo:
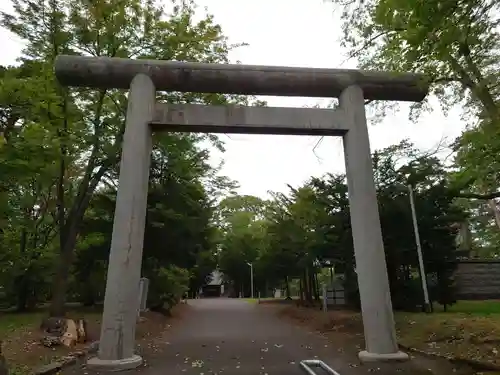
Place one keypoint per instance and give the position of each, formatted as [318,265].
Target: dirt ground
[24,352]
[414,330]
[456,335]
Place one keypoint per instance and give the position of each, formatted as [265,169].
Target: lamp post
[419,251]
[251,278]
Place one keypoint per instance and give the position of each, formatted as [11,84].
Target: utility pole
[251,278]
[423,276]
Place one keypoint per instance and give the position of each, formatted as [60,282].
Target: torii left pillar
[117,342]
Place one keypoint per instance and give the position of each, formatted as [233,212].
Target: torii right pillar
[376,306]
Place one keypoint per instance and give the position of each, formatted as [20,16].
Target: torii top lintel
[107,72]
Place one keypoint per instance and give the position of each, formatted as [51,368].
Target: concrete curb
[68,360]
[476,365]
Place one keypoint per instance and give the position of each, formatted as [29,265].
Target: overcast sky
[292,33]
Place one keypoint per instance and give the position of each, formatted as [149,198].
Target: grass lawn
[474,307]
[269,300]
[251,300]
[470,329]
[266,299]
[11,322]
[21,336]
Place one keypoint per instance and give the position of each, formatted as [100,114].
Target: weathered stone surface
[144,78]
[121,303]
[237,119]
[371,267]
[49,369]
[128,363]
[93,347]
[107,72]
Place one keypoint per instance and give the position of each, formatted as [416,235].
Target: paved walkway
[236,337]
[224,336]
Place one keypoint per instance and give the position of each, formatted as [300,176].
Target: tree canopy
[60,148]
[296,236]
[456,44]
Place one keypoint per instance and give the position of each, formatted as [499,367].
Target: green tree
[437,215]
[310,227]
[180,233]
[27,189]
[456,45]
[477,169]
[242,226]
[85,127]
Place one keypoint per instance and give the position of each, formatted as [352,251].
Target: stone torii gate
[145,115]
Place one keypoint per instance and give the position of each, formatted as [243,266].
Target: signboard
[333,295]
[143,294]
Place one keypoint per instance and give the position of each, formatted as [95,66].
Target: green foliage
[456,44]
[60,148]
[168,285]
[59,153]
[243,235]
[179,234]
[295,235]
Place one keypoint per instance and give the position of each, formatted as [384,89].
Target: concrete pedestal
[117,342]
[130,363]
[365,356]
[376,305]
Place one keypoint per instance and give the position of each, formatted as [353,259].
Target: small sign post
[143,294]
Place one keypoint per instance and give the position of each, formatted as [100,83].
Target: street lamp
[423,276]
[251,277]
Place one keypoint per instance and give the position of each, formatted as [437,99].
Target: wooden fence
[478,279]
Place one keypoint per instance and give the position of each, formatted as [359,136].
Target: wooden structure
[335,295]
[478,279]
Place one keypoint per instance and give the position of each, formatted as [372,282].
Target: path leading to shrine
[223,336]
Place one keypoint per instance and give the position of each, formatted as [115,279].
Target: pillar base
[365,356]
[130,363]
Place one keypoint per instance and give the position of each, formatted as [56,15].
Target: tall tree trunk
[22,294]
[307,286]
[466,238]
[301,290]
[315,283]
[310,283]
[70,220]
[60,287]
[287,288]
[68,236]
[21,280]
